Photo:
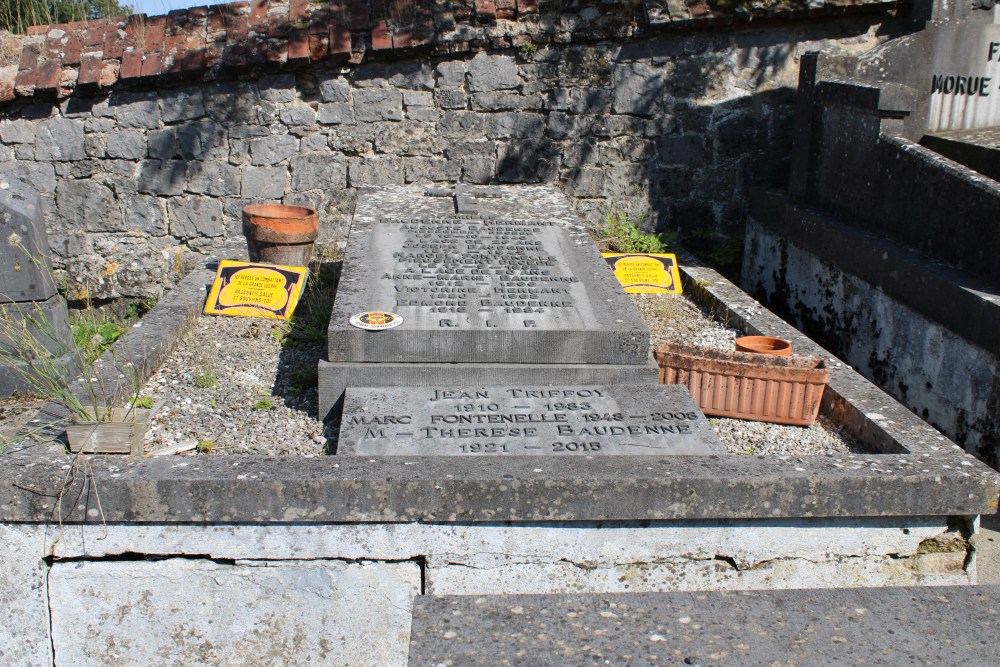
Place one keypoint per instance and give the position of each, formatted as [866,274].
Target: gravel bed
[230,382]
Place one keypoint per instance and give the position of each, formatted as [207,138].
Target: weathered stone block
[637,89]
[418,98]
[375,104]
[134,110]
[298,116]
[89,205]
[336,113]
[462,124]
[277,87]
[431,169]
[412,74]
[685,149]
[318,171]
[41,175]
[263,182]
[451,97]
[504,101]
[335,90]
[423,114]
[95,145]
[489,72]
[231,103]
[192,217]
[218,179]
[20,131]
[98,124]
[163,143]
[204,140]
[145,213]
[408,138]
[272,150]
[530,161]
[311,611]
[178,105]
[451,73]
[126,144]
[60,139]
[352,139]
[514,125]
[375,171]
[162,177]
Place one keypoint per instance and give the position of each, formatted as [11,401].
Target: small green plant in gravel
[529,49]
[206,377]
[263,404]
[205,446]
[621,232]
[142,402]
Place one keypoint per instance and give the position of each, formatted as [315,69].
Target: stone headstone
[32,313]
[563,421]
[511,291]
[24,247]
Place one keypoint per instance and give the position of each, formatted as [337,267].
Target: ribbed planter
[744,385]
[280,234]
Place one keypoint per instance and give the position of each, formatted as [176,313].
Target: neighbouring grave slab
[936,625]
[563,421]
[488,276]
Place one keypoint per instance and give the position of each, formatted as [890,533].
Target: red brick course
[89,55]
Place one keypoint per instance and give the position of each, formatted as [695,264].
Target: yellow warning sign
[645,273]
[255,290]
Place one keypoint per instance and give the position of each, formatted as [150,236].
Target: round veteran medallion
[376,321]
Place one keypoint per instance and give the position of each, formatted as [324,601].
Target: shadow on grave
[304,344]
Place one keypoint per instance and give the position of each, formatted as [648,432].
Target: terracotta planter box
[783,390]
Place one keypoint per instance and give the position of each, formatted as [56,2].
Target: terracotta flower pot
[280,234]
[764,345]
[783,390]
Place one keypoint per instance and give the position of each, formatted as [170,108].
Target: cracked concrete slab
[202,612]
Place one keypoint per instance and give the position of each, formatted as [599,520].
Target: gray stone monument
[563,421]
[29,302]
[495,286]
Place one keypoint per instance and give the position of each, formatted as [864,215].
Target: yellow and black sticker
[376,320]
[242,289]
[645,273]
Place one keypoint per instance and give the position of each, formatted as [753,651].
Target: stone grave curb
[939,625]
[920,473]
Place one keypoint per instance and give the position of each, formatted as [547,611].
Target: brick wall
[146,137]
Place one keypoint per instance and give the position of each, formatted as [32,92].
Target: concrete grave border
[917,473]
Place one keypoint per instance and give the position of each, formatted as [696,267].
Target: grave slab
[519,282]
[557,421]
[939,625]
[503,277]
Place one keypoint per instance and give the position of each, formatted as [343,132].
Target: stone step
[977,149]
[945,625]
[963,304]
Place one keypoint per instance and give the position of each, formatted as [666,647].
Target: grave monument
[33,314]
[498,286]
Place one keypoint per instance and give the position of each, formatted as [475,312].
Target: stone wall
[137,176]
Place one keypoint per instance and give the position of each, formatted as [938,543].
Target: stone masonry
[139,176]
